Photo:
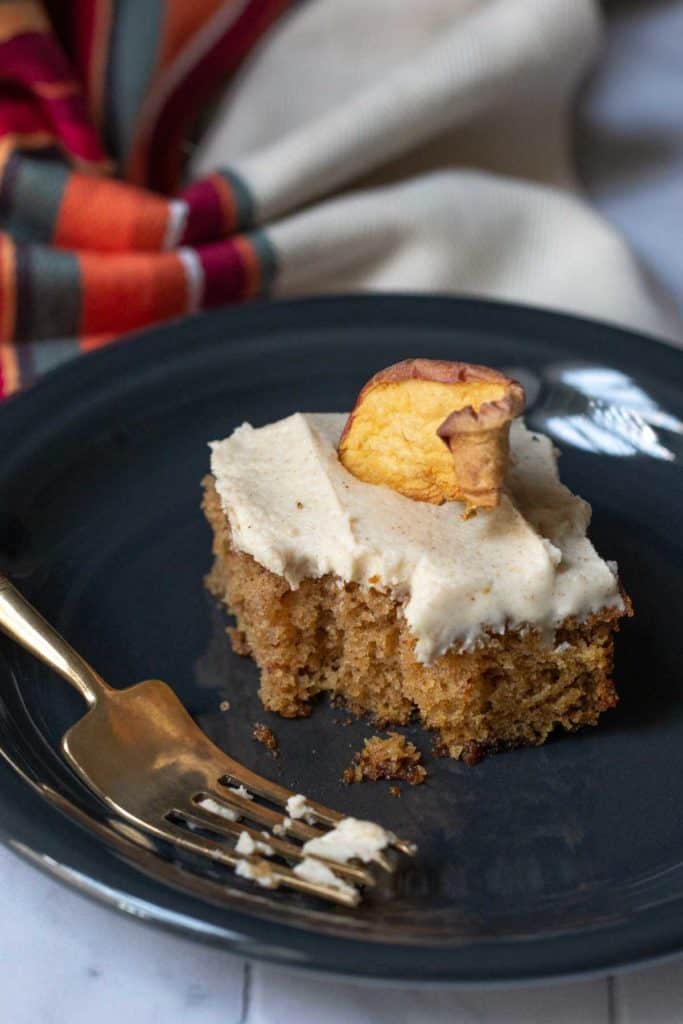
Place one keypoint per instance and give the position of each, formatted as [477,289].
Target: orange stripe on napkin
[29,141]
[56,90]
[19,17]
[252,268]
[227,201]
[181,23]
[9,371]
[98,59]
[8,291]
[19,140]
[121,292]
[91,342]
[110,216]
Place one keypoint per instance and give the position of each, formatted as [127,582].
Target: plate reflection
[600,409]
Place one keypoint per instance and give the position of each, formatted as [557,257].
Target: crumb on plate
[262,734]
[391,757]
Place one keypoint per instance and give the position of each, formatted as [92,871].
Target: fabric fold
[385,146]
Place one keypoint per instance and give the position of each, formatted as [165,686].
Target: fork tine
[217,853]
[295,826]
[136,747]
[203,818]
[133,850]
[250,809]
[275,793]
[238,775]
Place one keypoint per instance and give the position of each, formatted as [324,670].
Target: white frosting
[298,512]
[219,809]
[241,791]
[298,807]
[246,844]
[350,839]
[315,871]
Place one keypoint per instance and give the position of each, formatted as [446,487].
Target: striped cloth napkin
[382,146]
[96,100]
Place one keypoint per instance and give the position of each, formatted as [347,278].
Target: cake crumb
[238,641]
[224,705]
[258,871]
[393,757]
[440,749]
[395,790]
[262,734]
[472,753]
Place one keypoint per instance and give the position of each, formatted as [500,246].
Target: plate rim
[151,336]
[136,910]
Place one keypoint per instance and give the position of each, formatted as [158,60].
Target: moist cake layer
[299,514]
[353,642]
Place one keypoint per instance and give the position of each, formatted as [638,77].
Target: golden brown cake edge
[353,642]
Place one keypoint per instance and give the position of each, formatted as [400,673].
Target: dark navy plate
[560,860]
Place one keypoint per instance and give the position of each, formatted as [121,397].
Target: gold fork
[140,751]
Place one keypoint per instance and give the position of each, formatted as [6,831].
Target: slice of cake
[431,564]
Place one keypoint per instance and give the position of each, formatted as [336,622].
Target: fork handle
[22,623]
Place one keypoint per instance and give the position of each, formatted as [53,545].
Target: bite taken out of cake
[418,558]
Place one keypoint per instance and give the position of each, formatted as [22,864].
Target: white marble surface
[64,960]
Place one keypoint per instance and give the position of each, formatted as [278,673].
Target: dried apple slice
[434,431]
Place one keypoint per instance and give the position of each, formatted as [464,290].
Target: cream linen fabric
[426,146]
